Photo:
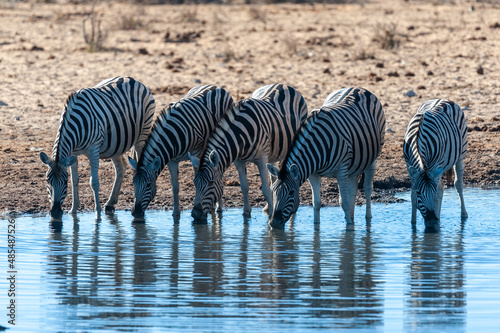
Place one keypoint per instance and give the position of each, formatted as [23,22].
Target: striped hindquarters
[266,124]
[114,115]
[348,131]
[436,137]
[186,125]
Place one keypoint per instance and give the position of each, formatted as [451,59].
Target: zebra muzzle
[56,211]
[197,212]
[137,212]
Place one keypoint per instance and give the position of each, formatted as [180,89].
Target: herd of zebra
[341,139]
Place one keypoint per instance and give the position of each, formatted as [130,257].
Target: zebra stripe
[258,129]
[182,128]
[100,122]
[435,142]
[342,139]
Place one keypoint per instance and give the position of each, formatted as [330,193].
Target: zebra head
[426,186]
[57,182]
[144,185]
[285,195]
[208,184]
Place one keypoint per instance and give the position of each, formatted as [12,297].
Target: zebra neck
[63,146]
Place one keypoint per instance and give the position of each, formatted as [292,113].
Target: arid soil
[404,52]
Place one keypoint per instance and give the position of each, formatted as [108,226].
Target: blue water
[236,275]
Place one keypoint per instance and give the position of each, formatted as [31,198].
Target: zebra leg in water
[93,157]
[173,168]
[120,164]
[74,183]
[241,166]
[413,206]
[266,188]
[368,187]
[459,185]
[315,182]
[347,188]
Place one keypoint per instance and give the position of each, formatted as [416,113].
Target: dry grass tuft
[386,36]
[130,22]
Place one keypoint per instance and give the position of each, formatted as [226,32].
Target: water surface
[236,275]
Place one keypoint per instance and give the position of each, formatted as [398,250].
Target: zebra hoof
[109,209]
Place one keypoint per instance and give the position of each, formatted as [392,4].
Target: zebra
[435,141]
[182,128]
[258,129]
[100,122]
[342,139]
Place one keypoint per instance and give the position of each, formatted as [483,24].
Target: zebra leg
[266,189]
[120,166]
[413,206]
[242,173]
[345,189]
[440,197]
[94,178]
[353,183]
[459,185]
[368,187]
[173,167]
[74,183]
[315,182]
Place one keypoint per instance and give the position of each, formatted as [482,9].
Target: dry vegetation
[405,52]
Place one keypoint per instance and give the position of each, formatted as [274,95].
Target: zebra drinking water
[182,128]
[342,139]
[435,141]
[258,129]
[100,122]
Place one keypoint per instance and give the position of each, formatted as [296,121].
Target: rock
[410,93]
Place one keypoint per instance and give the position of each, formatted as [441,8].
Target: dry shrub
[130,22]
[95,38]
[291,44]
[386,36]
[257,14]
[363,54]
[188,14]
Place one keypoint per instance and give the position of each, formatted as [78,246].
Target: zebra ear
[272,169]
[44,158]
[132,163]
[413,172]
[155,165]
[214,158]
[436,174]
[195,161]
[294,171]
[69,161]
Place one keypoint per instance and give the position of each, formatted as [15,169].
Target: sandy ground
[435,51]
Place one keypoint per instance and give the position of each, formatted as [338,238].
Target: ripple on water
[232,274]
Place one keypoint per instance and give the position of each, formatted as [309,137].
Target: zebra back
[265,123]
[348,131]
[436,136]
[115,115]
[184,126]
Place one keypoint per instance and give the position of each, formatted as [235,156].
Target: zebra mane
[304,128]
[64,116]
[163,116]
[233,110]
[417,136]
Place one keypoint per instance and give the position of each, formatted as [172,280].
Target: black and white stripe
[342,139]
[182,128]
[259,129]
[100,122]
[435,141]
